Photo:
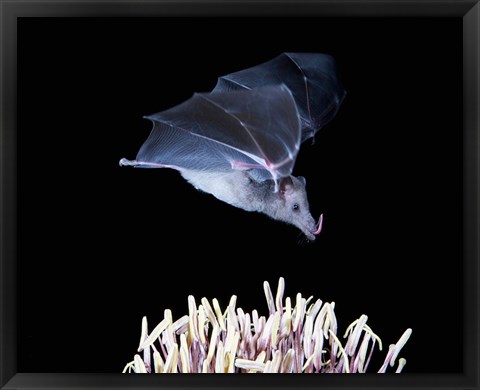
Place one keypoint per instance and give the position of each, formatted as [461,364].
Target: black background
[100,246]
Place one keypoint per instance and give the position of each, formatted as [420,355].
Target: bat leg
[146,164]
[243,166]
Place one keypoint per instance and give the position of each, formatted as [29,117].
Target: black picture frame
[11,10]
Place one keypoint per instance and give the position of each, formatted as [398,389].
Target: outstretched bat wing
[256,129]
[311,77]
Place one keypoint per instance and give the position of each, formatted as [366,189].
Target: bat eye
[296,207]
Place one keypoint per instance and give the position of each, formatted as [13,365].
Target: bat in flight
[240,141]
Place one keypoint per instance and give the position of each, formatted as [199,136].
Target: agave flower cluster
[296,337]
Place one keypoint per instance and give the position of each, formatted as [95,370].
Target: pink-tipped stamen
[319,225]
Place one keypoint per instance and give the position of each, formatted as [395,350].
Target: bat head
[294,208]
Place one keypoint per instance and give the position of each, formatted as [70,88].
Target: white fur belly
[229,187]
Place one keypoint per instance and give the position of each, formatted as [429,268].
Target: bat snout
[313,229]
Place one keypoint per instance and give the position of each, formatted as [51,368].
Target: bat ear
[302,180]
[286,185]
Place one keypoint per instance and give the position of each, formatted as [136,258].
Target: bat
[240,141]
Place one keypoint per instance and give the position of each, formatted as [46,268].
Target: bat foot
[124,162]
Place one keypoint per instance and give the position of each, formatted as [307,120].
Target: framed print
[311,205]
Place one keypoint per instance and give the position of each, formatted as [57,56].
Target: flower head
[299,339]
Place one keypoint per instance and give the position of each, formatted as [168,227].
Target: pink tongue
[319,225]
